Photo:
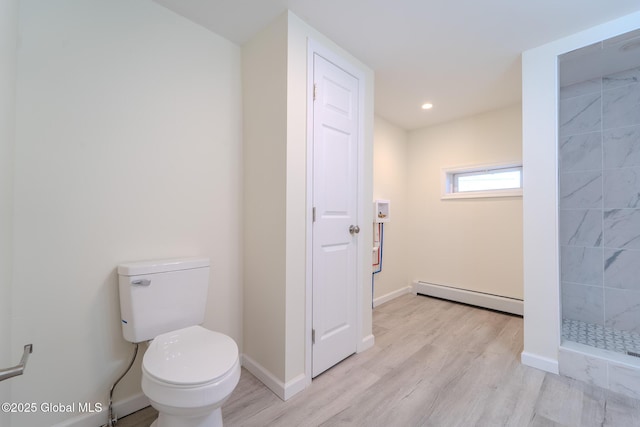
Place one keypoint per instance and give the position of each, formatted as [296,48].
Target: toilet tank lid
[161,266]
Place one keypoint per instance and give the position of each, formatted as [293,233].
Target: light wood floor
[434,363]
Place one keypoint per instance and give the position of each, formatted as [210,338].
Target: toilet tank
[162,296]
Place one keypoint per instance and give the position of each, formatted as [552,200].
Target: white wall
[390,179]
[540,112]
[264,83]
[8,45]
[473,244]
[276,211]
[128,147]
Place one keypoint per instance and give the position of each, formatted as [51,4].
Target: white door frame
[314,47]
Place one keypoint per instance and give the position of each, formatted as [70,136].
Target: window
[482,181]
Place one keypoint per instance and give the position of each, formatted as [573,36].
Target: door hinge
[313,214]
[315,88]
[313,336]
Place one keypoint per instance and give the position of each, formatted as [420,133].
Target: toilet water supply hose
[113,419]
[379,263]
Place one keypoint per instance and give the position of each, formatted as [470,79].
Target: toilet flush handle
[141,282]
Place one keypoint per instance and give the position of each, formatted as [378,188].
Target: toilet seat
[192,356]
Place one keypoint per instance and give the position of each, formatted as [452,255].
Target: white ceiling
[461,55]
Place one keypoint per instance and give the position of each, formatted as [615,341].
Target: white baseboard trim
[280,389]
[121,409]
[494,302]
[392,295]
[539,362]
[366,343]
[295,386]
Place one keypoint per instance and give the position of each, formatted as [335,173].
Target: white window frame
[448,179]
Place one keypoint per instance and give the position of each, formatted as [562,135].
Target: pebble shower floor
[599,336]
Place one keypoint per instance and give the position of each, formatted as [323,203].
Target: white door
[335,199]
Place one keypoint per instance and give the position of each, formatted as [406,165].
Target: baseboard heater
[494,302]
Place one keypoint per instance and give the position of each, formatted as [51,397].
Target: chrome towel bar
[19,368]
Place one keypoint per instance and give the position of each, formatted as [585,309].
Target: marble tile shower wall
[599,201]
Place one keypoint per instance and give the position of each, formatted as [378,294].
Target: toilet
[188,371]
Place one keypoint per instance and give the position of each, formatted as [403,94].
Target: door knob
[354,229]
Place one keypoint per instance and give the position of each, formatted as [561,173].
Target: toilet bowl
[188,374]
[188,371]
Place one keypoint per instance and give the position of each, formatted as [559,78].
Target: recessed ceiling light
[427,106]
